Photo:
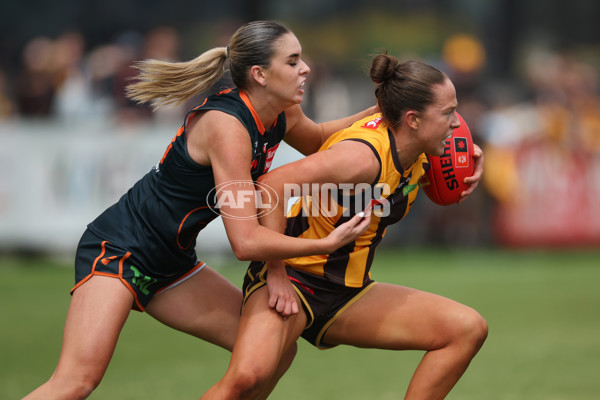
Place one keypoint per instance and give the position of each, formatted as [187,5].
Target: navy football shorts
[99,257]
[323,301]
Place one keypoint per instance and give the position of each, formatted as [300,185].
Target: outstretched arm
[221,141]
[306,136]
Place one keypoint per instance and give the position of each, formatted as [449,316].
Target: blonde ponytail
[169,84]
[172,83]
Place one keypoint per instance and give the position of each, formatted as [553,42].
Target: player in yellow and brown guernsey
[390,197]
[375,164]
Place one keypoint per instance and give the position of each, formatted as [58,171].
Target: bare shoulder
[212,130]
[356,158]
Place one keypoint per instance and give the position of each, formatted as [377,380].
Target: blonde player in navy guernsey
[377,162]
[140,253]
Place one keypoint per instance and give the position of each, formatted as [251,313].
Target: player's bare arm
[306,136]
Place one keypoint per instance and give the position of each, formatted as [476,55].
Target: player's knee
[77,387]
[248,381]
[84,388]
[473,330]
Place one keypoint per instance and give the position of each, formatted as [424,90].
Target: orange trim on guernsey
[248,104]
[181,225]
[180,131]
[170,146]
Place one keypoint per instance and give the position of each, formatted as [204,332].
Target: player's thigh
[207,305]
[399,318]
[97,313]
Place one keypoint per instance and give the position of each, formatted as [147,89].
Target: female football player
[139,254]
[385,155]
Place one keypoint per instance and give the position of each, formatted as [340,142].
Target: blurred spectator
[161,43]
[126,110]
[566,97]
[73,96]
[102,65]
[7,106]
[35,85]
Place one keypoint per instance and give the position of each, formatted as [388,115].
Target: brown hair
[403,86]
[172,83]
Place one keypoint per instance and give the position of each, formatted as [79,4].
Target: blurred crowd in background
[529,94]
[61,78]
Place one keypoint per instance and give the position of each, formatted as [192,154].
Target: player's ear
[412,119]
[258,74]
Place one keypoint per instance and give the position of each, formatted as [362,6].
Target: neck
[406,147]
[266,112]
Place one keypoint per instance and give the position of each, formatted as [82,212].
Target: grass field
[543,310]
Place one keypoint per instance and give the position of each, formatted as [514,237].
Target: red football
[443,182]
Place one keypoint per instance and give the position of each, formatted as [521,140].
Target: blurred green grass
[542,307]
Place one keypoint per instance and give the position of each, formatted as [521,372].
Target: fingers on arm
[477,173]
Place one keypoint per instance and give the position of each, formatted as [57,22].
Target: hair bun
[383,68]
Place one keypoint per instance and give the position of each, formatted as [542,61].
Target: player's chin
[437,151]
[294,100]
[298,98]
[290,102]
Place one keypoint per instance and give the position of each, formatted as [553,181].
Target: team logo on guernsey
[373,124]
[270,155]
[407,189]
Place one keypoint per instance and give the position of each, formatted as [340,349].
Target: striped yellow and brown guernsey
[392,194]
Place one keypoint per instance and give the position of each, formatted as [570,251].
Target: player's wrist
[330,244]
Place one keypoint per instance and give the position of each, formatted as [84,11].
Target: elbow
[243,251]
[263,179]
[253,250]
[246,240]
[243,256]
